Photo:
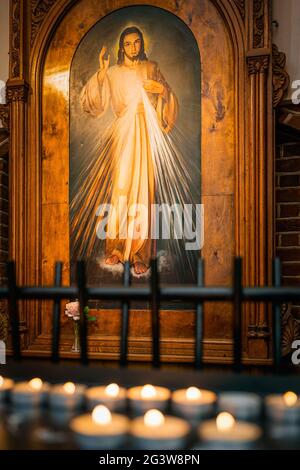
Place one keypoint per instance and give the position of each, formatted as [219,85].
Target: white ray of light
[59,81]
[173,180]
[172,177]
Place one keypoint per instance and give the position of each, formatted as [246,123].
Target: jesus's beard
[132,58]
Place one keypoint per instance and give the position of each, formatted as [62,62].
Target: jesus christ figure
[132,85]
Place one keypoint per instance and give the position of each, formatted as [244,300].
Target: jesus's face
[132,46]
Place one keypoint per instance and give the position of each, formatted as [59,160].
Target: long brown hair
[130,30]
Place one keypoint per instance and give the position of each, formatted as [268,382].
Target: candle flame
[1,381]
[154,418]
[101,415]
[148,391]
[36,383]
[69,388]
[193,393]
[112,390]
[225,421]
[290,399]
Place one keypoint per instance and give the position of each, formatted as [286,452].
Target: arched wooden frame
[246,33]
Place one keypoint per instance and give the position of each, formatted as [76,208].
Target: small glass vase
[76,342]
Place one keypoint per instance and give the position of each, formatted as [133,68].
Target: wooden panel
[218,252]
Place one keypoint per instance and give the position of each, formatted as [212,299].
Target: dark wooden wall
[4,147]
[288,213]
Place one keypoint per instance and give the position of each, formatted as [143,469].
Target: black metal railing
[155,294]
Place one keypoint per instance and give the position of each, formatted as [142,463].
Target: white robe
[127,150]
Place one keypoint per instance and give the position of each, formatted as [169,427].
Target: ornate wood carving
[4,115]
[290,329]
[258,23]
[256,202]
[15,52]
[4,149]
[17,91]
[241,7]
[281,79]
[39,9]
[4,321]
[258,64]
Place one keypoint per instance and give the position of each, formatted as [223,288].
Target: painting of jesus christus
[141,164]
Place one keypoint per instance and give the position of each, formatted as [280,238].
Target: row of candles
[106,425]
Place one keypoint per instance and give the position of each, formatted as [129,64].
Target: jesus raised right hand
[103,63]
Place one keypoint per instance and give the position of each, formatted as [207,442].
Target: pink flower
[72,310]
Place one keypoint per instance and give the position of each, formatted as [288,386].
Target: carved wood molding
[4,321]
[281,79]
[15,51]
[258,64]
[17,91]
[258,23]
[256,203]
[290,329]
[241,7]
[39,8]
[4,115]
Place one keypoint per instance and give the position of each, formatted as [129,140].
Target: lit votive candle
[31,393]
[242,405]
[142,399]
[68,396]
[283,408]
[225,432]
[193,403]
[112,396]
[100,430]
[156,431]
[6,386]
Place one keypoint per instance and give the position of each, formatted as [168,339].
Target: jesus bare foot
[113,259]
[140,268]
